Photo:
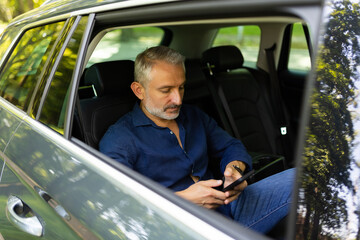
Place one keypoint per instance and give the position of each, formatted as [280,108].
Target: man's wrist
[238,164]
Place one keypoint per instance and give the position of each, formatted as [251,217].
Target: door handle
[57,207]
[22,216]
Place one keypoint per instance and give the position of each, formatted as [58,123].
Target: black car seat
[197,93]
[113,97]
[246,95]
[196,89]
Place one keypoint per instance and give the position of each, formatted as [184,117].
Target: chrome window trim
[115,176]
[76,77]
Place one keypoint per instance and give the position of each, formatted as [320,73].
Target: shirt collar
[140,119]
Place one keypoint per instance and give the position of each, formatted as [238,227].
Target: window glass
[125,43]
[299,57]
[6,38]
[246,38]
[23,71]
[54,108]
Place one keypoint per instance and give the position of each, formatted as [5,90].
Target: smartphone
[240,180]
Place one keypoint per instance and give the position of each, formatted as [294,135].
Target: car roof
[52,8]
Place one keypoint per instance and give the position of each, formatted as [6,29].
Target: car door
[328,195]
[24,214]
[56,189]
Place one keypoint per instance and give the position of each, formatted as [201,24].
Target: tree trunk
[315,226]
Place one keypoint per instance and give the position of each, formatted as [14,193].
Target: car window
[6,39]
[54,108]
[23,70]
[299,57]
[125,43]
[246,38]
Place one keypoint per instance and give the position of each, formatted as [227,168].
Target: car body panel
[85,187]
[8,125]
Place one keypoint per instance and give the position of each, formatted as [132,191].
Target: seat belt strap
[276,95]
[81,118]
[218,94]
[277,100]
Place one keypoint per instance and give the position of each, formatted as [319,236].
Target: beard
[163,113]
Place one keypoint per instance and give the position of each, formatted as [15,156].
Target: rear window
[23,70]
[126,43]
[246,38]
[299,56]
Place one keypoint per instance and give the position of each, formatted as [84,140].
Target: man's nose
[176,97]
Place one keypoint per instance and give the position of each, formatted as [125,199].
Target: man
[171,144]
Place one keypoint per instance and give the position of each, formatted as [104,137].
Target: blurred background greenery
[10,9]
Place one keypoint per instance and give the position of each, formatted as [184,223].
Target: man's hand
[231,175]
[203,193]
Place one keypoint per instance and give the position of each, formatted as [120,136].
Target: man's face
[165,91]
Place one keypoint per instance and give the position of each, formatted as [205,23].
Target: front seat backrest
[113,97]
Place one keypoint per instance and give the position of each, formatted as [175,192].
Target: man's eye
[165,90]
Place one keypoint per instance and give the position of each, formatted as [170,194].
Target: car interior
[230,72]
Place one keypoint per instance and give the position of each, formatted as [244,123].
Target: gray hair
[147,59]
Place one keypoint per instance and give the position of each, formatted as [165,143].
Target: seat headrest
[113,77]
[194,74]
[223,58]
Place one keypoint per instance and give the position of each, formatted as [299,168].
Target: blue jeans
[263,204]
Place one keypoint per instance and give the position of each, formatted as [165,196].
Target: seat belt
[80,118]
[218,94]
[277,101]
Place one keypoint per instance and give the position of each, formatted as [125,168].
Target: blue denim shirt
[154,151]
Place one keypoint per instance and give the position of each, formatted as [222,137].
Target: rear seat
[247,100]
[196,89]
[197,92]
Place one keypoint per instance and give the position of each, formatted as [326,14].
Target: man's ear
[138,90]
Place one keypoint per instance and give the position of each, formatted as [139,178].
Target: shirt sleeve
[118,148]
[222,145]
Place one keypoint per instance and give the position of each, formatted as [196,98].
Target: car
[282,76]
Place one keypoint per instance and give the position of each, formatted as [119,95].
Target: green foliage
[12,8]
[327,158]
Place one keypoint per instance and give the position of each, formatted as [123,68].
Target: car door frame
[218,226]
